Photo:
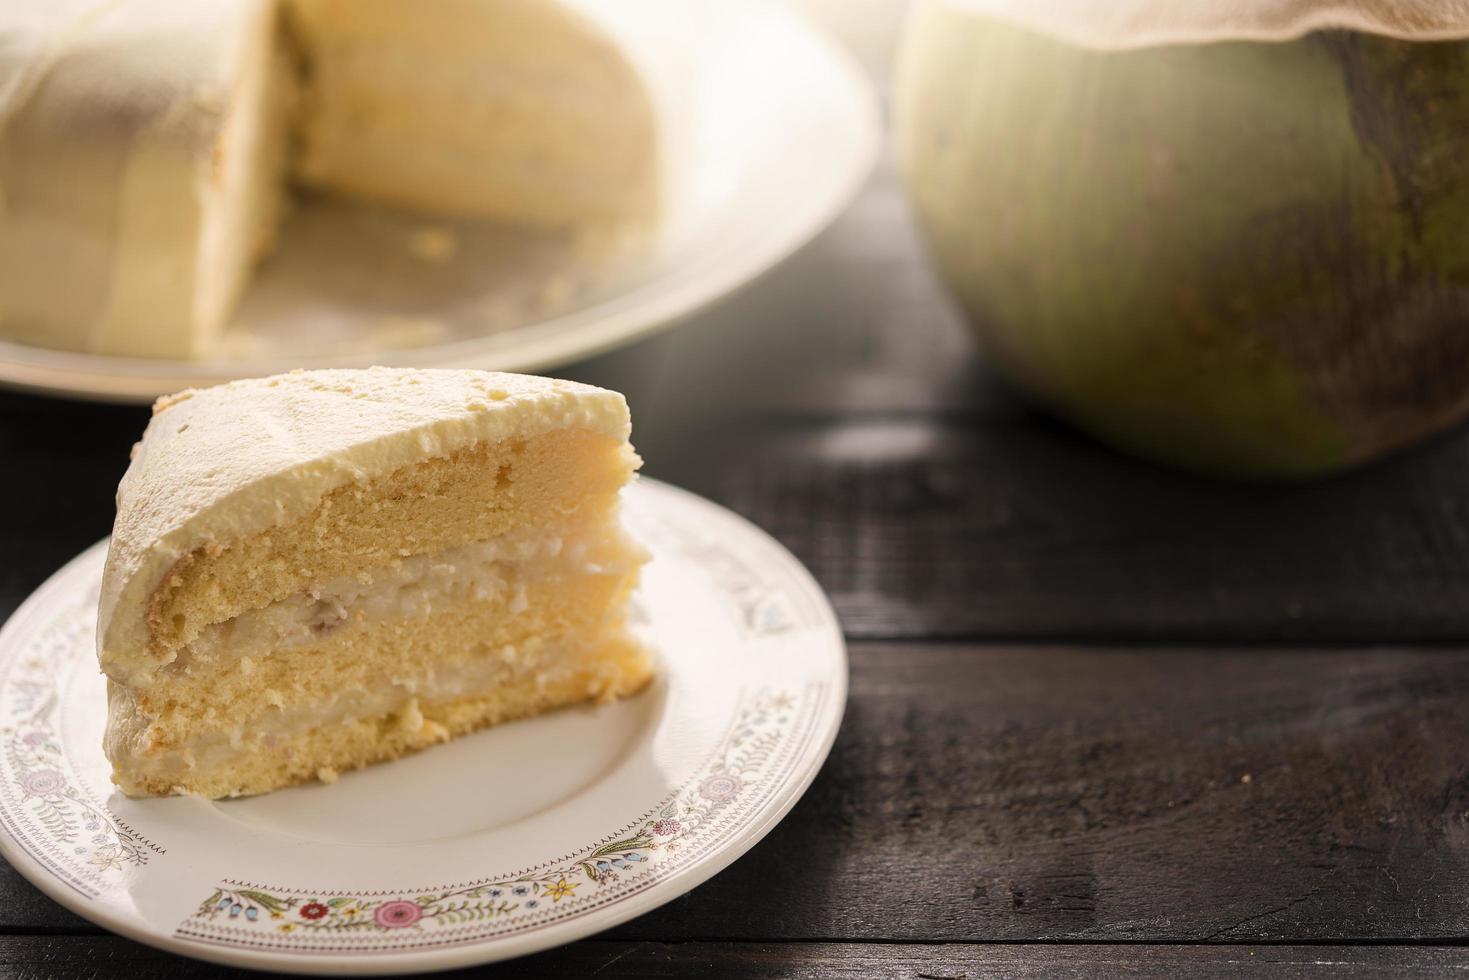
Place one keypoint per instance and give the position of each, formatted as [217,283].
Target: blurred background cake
[147,150]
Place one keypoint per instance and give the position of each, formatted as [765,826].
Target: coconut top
[1145,23]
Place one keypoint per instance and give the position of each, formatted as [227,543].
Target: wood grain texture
[1018,793]
[40,958]
[1018,529]
[1007,793]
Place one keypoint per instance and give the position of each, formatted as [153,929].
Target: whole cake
[319,570]
[146,146]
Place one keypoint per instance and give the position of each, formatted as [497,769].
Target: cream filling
[398,701]
[411,588]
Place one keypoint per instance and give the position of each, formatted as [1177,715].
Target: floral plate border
[768,735]
[67,840]
[44,804]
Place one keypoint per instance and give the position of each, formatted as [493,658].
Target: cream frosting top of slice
[217,465]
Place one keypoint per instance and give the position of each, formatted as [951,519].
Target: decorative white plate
[768,130]
[511,840]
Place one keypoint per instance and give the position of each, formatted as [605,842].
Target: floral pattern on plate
[45,801]
[720,754]
[740,765]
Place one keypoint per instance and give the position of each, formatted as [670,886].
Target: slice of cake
[146,147]
[323,569]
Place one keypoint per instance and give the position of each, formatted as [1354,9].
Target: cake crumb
[410,719]
[327,775]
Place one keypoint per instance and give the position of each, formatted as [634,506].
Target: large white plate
[500,843]
[768,130]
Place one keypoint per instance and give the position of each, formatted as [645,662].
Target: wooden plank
[1021,794]
[43,958]
[1164,795]
[1019,529]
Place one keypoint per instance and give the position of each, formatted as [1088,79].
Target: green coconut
[1233,236]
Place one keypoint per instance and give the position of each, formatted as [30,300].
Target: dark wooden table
[1105,718]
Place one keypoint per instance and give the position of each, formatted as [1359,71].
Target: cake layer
[434,630]
[517,110]
[234,663]
[245,210]
[500,569]
[565,477]
[213,767]
[354,468]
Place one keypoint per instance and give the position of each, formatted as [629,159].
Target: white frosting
[111,166]
[143,143]
[1139,23]
[220,464]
